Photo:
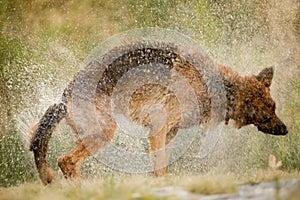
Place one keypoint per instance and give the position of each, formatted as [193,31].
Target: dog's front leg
[158,154]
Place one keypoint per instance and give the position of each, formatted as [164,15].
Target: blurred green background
[43,42]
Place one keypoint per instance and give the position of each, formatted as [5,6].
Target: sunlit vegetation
[140,187]
[43,43]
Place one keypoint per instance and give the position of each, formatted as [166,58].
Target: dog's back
[161,86]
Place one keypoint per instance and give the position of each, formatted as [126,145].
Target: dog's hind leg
[70,164]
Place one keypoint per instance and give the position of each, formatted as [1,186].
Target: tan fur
[248,102]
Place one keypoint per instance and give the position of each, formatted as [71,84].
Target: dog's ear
[266,76]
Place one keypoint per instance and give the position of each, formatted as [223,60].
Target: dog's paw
[47,175]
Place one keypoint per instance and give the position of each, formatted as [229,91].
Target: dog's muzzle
[279,129]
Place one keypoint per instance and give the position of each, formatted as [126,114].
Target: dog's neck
[231,80]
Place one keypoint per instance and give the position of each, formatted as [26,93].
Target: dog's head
[255,105]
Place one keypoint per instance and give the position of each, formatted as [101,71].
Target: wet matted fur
[248,101]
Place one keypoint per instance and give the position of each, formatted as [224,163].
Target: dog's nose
[285,130]
[281,128]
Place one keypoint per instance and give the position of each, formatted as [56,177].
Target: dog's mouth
[237,124]
[277,131]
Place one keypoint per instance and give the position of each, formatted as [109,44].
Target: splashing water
[252,46]
[28,118]
[139,76]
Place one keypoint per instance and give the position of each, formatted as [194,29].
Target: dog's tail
[43,132]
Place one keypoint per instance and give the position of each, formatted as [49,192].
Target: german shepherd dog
[247,101]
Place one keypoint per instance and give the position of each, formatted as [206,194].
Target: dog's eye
[266,119]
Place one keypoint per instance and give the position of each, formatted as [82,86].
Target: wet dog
[247,101]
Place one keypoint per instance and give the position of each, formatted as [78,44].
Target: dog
[247,101]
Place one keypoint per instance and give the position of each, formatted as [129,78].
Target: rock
[282,189]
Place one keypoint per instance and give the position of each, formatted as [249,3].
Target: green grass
[208,184]
[108,188]
[139,187]
[16,164]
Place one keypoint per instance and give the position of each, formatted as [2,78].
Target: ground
[256,185]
